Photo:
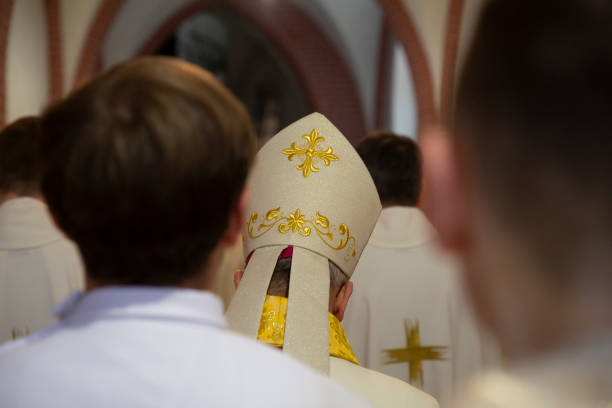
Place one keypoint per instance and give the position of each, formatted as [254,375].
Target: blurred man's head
[145,167]
[523,189]
[395,165]
[19,159]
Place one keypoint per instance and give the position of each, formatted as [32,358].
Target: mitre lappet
[311,191]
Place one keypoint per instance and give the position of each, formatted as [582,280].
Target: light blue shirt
[153,347]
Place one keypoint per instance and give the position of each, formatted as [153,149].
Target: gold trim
[297,222]
[272,329]
[311,154]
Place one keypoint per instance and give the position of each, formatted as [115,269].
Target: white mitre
[310,190]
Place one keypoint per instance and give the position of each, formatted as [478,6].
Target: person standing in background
[407,317]
[39,266]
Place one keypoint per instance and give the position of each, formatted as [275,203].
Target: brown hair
[534,120]
[19,157]
[142,166]
[395,164]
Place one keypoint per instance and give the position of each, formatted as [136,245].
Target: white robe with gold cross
[407,317]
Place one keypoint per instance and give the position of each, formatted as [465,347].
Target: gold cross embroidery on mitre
[310,153]
[414,353]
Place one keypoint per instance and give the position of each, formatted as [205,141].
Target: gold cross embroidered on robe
[414,353]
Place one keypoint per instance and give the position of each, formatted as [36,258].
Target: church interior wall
[27,74]
[75,18]
[27,82]
[359,24]
[127,35]
[402,99]
[430,19]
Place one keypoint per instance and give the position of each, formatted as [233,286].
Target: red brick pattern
[89,61]
[54,41]
[451,48]
[404,29]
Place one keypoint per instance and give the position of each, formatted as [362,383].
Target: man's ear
[236,219]
[237,277]
[446,202]
[342,300]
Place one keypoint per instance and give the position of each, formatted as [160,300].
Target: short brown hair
[19,157]
[534,120]
[395,163]
[141,167]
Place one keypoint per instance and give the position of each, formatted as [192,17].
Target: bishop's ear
[446,200]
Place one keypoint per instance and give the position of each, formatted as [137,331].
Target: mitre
[310,190]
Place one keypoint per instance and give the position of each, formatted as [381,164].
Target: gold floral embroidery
[311,153]
[297,222]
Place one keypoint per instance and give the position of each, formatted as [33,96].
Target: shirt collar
[25,223]
[402,227]
[143,302]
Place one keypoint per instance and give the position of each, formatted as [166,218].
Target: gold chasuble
[272,329]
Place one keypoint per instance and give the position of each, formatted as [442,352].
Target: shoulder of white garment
[72,356]
[381,390]
[25,223]
[402,227]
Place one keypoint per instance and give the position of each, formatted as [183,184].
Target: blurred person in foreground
[144,167]
[408,316]
[522,193]
[39,267]
[314,207]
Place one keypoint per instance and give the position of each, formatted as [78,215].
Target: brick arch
[328,83]
[89,61]
[404,29]
[451,48]
[54,49]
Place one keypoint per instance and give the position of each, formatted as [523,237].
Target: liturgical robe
[381,390]
[407,317]
[39,267]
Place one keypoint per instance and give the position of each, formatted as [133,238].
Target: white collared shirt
[154,347]
[407,294]
[39,267]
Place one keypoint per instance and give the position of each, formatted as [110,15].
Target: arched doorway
[327,82]
[241,58]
